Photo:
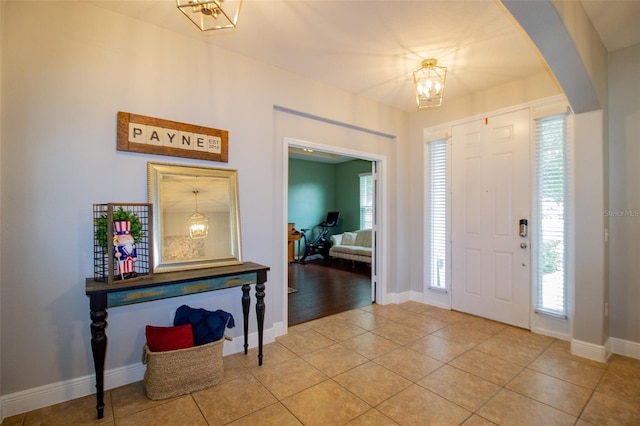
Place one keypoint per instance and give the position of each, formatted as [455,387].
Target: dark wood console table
[162,286]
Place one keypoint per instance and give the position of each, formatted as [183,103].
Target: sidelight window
[552,204]
[437,207]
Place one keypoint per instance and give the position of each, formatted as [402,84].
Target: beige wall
[624,205]
[64,79]
[587,43]
[1,183]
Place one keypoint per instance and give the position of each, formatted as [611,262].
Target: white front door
[490,262]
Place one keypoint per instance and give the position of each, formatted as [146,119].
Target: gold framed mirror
[196,217]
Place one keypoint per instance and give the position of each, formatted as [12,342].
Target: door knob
[523,245]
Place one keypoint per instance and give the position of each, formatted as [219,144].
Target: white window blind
[366,201]
[437,213]
[552,204]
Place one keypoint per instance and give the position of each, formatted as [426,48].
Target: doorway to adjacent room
[320,182]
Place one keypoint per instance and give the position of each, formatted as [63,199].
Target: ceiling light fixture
[211,14]
[198,223]
[429,82]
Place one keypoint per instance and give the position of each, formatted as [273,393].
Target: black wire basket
[122,241]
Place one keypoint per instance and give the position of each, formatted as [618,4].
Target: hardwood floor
[327,288]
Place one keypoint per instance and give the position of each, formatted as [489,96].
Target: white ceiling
[372,47]
[317,156]
[616,21]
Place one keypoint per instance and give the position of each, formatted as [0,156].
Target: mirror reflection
[196,217]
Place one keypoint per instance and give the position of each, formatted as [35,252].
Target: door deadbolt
[523,245]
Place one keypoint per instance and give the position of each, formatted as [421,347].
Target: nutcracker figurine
[124,250]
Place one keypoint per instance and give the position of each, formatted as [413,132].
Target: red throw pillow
[160,339]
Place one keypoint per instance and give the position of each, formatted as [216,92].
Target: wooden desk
[293,236]
[162,286]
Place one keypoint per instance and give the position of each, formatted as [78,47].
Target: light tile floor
[408,364]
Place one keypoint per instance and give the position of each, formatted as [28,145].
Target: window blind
[437,213]
[366,201]
[552,137]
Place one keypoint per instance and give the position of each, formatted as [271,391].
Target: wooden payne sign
[139,133]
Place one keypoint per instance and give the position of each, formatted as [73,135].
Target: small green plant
[549,261]
[118,215]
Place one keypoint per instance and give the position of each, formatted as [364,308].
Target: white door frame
[380,259]
[443,299]
[490,260]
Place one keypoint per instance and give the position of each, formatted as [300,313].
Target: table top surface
[96,287]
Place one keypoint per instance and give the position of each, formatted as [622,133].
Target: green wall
[311,192]
[317,188]
[348,192]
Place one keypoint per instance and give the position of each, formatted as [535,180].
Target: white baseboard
[388,299]
[55,393]
[403,297]
[625,347]
[599,353]
[416,296]
[396,298]
[237,344]
[551,333]
[440,302]
[279,329]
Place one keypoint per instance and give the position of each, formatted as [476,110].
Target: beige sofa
[354,246]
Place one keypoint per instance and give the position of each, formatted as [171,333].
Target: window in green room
[366,201]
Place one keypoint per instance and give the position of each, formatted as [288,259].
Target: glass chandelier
[429,82]
[198,223]
[210,15]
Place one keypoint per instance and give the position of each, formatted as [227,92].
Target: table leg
[99,350]
[246,300]
[260,308]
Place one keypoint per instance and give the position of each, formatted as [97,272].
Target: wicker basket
[179,372]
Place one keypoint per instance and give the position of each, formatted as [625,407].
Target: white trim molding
[599,353]
[55,393]
[625,347]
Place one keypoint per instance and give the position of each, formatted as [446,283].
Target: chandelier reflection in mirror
[198,223]
[210,15]
[429,83]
